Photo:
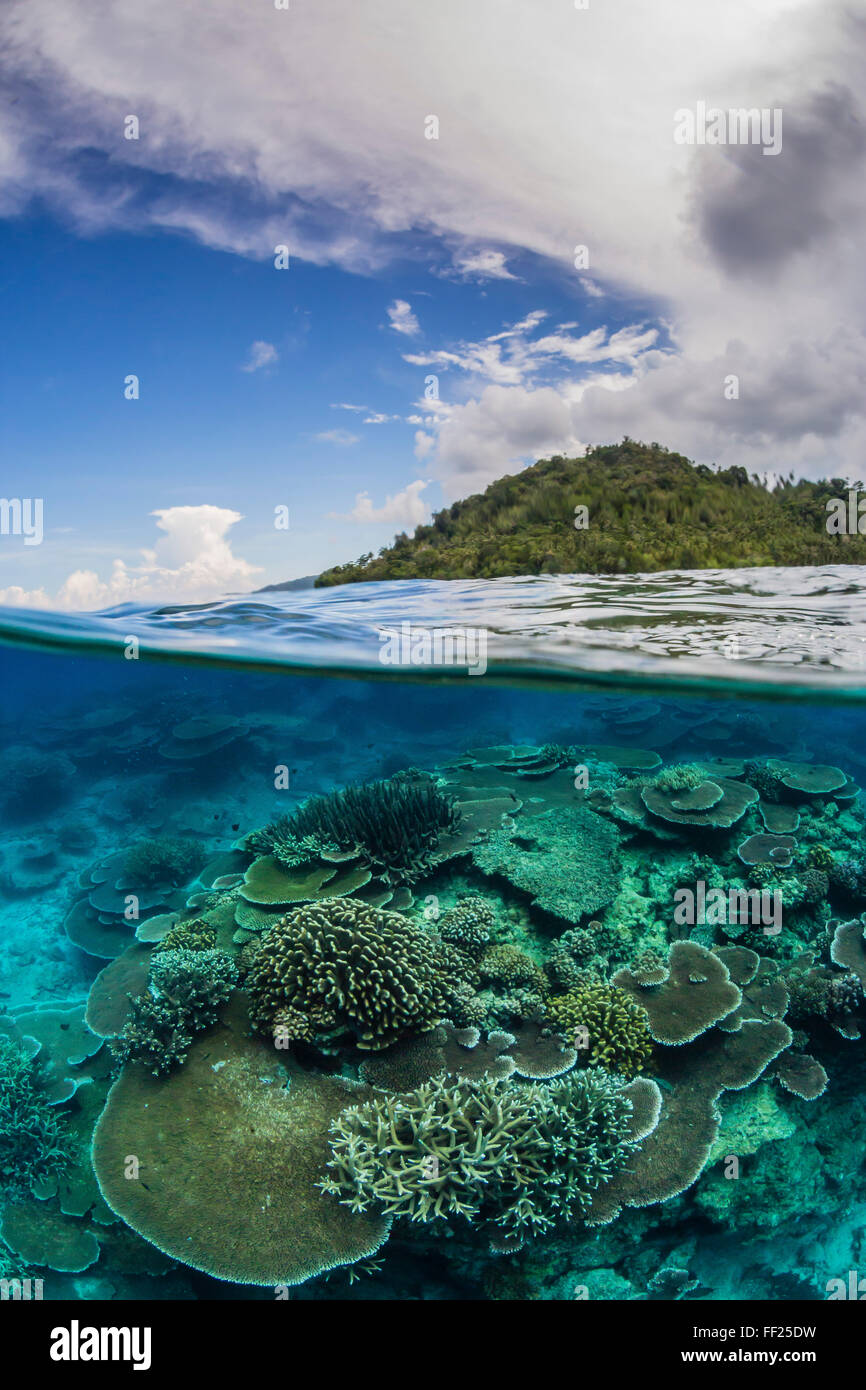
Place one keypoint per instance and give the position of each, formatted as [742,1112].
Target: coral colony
[495,1000]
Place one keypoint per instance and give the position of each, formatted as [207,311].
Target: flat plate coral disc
[228,1161]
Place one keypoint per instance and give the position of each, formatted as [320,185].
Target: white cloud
[482,265]
[513,358]
[406,508]
[342,438]
[191,562]
[497,433]
[590,288]
[403,319]
[371,417]
[292,142]
[260,355]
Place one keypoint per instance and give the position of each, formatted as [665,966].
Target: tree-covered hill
[646,509]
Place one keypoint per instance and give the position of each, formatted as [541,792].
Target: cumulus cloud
[191,562]
[510,411]
[403,319]
[406,508]
[260,355]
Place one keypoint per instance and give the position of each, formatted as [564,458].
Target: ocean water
[632,750]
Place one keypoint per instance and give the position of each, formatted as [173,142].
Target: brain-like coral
[355,974]
[521,1156]
[611,1030]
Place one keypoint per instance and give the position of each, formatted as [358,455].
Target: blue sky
[246,378]
[410,257]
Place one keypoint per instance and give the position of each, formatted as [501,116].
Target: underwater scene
[396,984]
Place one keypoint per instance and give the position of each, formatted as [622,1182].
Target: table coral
[230,1147]
[566,859]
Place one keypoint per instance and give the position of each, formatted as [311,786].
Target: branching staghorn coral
[678,777]
[359,976]
[291,850]
[523,1157]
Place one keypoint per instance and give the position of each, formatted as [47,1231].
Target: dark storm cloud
[755,212]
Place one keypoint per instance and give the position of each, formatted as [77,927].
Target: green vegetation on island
[646,509]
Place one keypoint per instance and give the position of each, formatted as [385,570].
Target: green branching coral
[564,755]
[194,935]
[187,990]
[468,924]
[291,850]
[396,824]
[34,1143]
[507,965]
[164,859]
[763,778]
[523,1157]
[611,1030]
[678,777]
[358,976]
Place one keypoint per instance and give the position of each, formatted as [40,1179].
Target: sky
[357,261]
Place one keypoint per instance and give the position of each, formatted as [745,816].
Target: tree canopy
[646,509]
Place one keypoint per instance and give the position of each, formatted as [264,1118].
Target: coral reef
[463,999]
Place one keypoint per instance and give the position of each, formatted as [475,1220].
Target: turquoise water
[141,749]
